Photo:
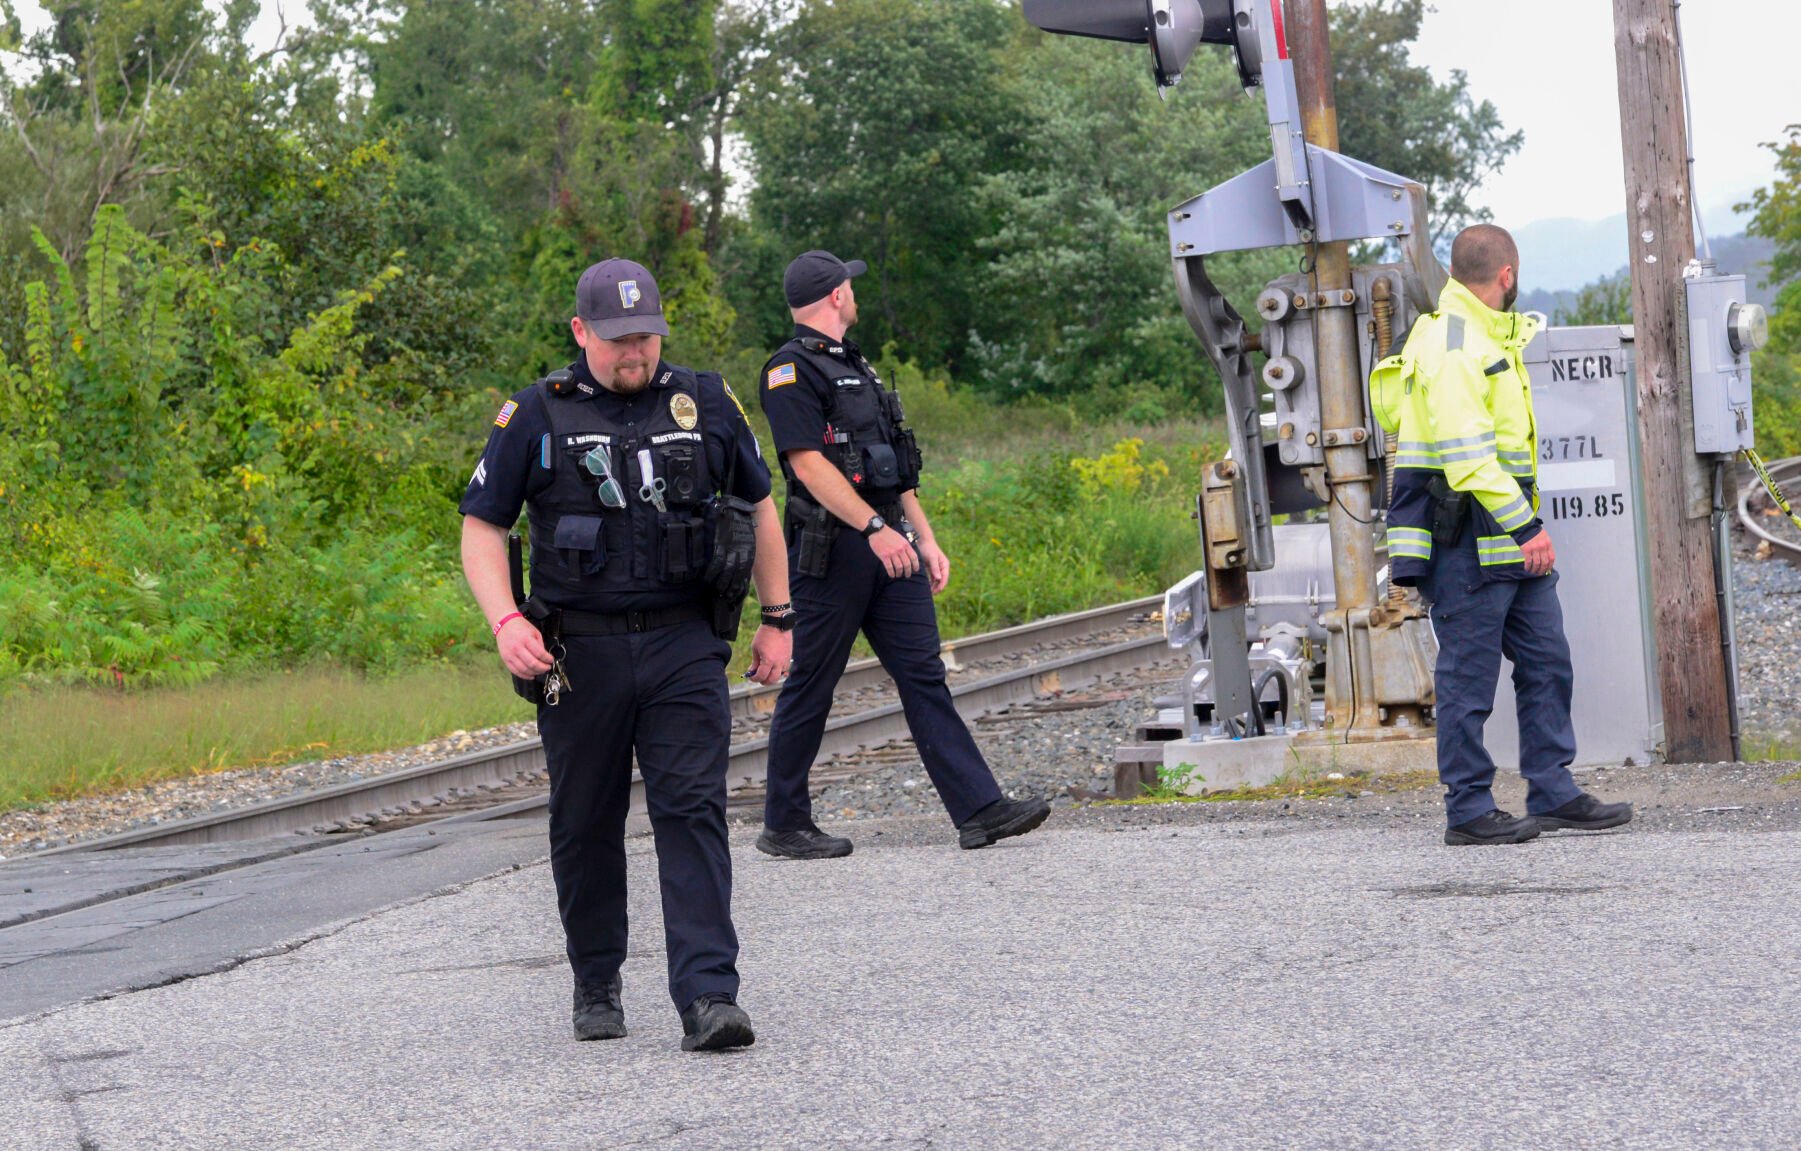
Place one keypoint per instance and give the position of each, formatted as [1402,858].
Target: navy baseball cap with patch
[620,298]
[813,275]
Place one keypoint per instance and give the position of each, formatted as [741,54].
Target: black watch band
[875,524]
[783,622]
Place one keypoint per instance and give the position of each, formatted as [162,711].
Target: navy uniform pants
[857,594]
[661,693]
[1478,622]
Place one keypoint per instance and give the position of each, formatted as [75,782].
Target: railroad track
[476,786]
[1784,541]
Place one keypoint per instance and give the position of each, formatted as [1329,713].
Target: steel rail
[749,762]
[753,700]
[1784,473]
[304,810]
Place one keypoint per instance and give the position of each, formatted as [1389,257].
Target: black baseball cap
[620,298]
[813,275]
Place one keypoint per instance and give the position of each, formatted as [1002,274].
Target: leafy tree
[1077,292]
[1606,301]
[871,127]
[81,97]
[1393,114]
[482,89]
[577,128]
[254,304]
[1776,369]
[1776,215]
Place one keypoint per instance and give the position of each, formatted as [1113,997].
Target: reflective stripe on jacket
[1461,401]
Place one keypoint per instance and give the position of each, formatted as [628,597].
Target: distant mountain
[1557,255]
[1560,254]
[1741,255]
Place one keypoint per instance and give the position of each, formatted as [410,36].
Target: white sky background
[1548,66]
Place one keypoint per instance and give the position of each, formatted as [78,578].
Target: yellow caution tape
[1763,473]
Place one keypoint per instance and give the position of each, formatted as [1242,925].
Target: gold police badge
[681,406]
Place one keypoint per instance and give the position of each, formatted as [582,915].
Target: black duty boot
[715,1023]
[1585,813]
[1001,819]
[598,1013]
[807,843]
[1492,827]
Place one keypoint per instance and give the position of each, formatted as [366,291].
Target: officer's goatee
[629,381]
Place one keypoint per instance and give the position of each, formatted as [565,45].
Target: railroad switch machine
[1591,491]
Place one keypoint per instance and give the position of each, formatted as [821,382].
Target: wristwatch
[780,616]
[875,524]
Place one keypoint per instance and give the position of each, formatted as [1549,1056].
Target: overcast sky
[1548,66]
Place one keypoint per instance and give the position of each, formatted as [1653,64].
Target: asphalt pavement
[1267,976]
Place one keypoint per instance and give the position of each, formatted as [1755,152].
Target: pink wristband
[506,619]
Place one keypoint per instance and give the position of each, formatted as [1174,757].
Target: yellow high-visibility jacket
[1458,398]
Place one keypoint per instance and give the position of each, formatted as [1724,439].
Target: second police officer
[642,481]
[862,557]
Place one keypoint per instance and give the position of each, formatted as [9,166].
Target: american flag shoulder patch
[781,375]
[506,413]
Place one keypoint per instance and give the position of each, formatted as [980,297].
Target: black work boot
[1001,819]
[807,843]
[1585,813]
[598,1013]
[1492,827]
[714,1023]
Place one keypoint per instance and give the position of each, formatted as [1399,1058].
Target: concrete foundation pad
[1227,764]
[1314,753]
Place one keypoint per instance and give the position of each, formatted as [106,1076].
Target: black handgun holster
[543,618]
[548,621]
[1449,509]
[813,528]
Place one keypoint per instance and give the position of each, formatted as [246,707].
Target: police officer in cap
[861,557]
[647,497]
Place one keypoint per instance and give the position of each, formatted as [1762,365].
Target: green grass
[1763,747]
[1028,534]
[63,742]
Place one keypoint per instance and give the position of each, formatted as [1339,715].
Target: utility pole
[1354,714]
[1659,216]
[1335,329]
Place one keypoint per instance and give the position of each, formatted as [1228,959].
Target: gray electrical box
[1590,495]
[1722,331]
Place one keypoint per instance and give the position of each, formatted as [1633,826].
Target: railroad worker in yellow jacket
[1464,528]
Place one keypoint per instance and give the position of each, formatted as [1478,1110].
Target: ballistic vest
[582,549]
[866,434]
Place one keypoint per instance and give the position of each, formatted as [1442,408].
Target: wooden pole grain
[1690,671]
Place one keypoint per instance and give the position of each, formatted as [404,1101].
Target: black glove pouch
[734,547]
[881,467]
